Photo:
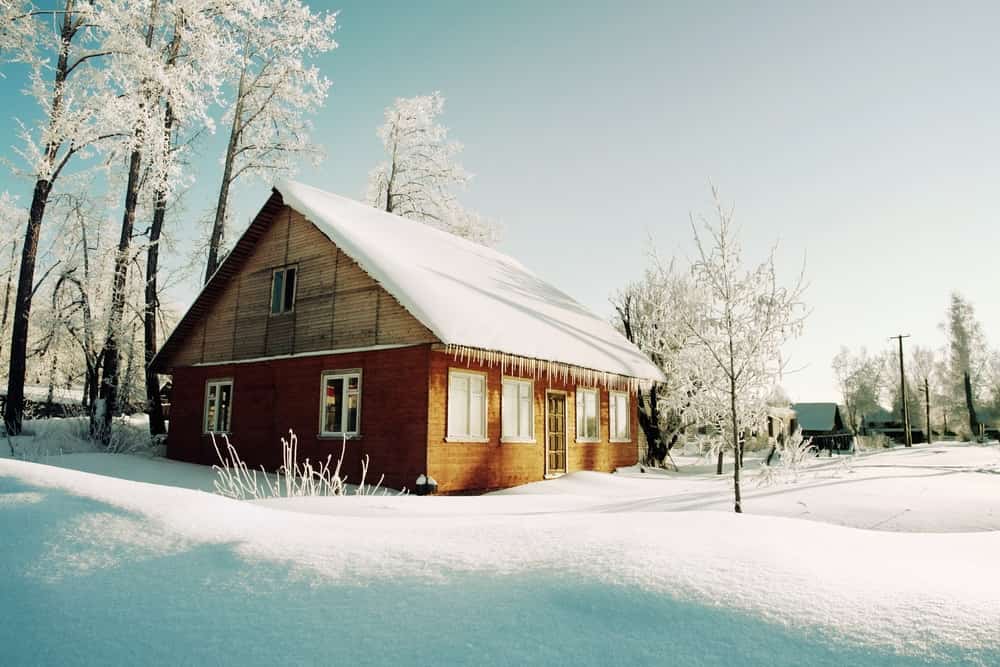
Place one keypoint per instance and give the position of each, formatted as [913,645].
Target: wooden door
[555,434]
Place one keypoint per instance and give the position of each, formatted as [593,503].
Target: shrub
[234,479]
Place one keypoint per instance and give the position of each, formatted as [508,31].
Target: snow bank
[915,594]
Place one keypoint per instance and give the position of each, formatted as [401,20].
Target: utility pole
[927,409]
[902,391]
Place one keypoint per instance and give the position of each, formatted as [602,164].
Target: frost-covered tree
[276,89]
[741,318]
[419,177]
[74,97]
[15,28]
[860,377]
[965,359]
[648,316]
[159,86]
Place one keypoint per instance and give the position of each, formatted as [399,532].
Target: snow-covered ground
[632,568]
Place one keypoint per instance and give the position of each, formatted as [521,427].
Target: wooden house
[431,354]
[823,423]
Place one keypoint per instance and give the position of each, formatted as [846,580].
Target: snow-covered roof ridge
[468,295]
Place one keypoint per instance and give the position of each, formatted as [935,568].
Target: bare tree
[419,177]
[741,318]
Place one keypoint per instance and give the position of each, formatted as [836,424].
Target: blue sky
[862,136]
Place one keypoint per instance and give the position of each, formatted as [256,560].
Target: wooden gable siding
[337,305]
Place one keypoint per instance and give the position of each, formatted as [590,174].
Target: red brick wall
[475,466]
[270,397]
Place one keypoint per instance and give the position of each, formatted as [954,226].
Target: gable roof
[467,295]
[818,416]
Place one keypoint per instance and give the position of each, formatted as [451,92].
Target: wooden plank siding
[476,466]
[337,305]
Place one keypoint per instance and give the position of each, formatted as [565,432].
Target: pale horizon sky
[859,135]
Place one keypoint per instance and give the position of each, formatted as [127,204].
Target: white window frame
[614,397]
[581,401]
[344,375]
[295,290]
[520,437]
[218,383]
[467,437]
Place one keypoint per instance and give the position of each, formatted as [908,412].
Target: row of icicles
[536,368]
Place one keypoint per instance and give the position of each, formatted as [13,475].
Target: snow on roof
[816,416]
[468,295]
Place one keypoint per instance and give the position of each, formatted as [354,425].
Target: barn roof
[467,295]
[817,416]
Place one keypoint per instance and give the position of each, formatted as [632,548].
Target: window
[517,411]
[587,419]
[283,290]
[619,417]
[466,406]
[218,405]
[340,408]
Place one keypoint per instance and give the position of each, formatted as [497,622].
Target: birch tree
[421,173]
[276,89]
[741,318]
[73,96]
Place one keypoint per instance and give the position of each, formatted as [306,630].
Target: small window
[283,290]
[587,418]
[218,406]
[619,417]
[466,406]
[517,411]
[340,411]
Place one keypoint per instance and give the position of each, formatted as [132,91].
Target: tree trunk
[738,451]
[973,421]
[718,464]
[14,404]
[111,368]
[157,424]
[222,205]
[656,451]
[6,295]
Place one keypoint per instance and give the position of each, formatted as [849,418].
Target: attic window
[283,290]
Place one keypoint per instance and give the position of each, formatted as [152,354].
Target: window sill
[588,441]
[465,439]
[338,436]
[518,441]
[621,441]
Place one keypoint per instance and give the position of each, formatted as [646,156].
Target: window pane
[524,425]
[590,410]
[508,407]
[289,289]
[210,408]
[477,407]
[353,401]
[225,405]
[458,405]
[622,416]
[276,291]
[333,402]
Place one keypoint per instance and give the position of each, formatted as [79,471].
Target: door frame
[545,449]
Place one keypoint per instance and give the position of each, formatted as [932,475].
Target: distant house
[432,355]
[881,421]
[823,423]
